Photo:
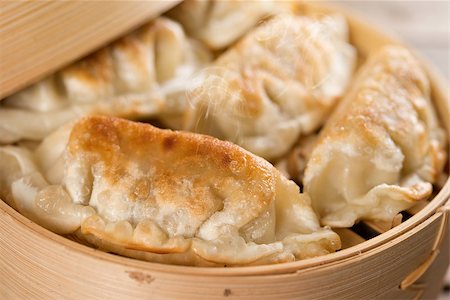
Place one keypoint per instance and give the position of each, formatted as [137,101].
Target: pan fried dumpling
[220,23]
[382,149]
[141,75]
[23,187]
[164,196]
[277,83]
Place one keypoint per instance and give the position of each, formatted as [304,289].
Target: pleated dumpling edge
[382,149]
[164,196]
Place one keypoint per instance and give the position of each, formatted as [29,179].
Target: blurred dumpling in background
[163,196]
[293,164]
[382,149]
[277,83]
[220,23]
[139,76]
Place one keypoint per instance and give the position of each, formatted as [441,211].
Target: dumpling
[161,195]
[293,164]
[382,149]
[220,23]
[277,83]
[141,75]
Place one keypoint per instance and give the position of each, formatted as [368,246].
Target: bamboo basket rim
[440,200]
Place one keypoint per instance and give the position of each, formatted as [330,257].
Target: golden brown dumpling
[278,82]
[382,149]
[220,23]
[141,75]
[164,196]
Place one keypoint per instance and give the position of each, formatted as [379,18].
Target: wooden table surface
[424,25]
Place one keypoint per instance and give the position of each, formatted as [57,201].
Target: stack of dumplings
[236,86]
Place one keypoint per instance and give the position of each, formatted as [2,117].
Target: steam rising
[276,83]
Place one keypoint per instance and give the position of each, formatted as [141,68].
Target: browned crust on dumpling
[204,161]
[384,142]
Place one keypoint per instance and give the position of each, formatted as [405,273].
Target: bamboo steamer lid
[37,38]
[405,262]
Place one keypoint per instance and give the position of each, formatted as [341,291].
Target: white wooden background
[425,25]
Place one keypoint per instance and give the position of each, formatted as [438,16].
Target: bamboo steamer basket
[405,262]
